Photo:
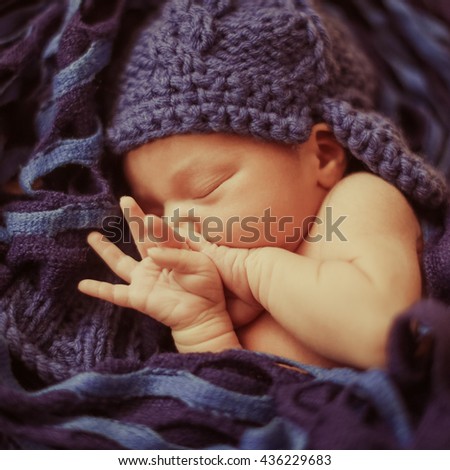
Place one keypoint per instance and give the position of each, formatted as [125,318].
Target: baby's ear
[330,154]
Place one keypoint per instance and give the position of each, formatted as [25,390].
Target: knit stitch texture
[265,68]
[79,373]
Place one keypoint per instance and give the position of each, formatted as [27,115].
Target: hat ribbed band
[206,118]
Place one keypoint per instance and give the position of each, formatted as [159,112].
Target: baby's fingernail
[126,200]
[93,236]
[81,285]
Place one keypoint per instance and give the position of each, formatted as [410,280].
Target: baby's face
[235,190]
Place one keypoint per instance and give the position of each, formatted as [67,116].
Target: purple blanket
[79,373]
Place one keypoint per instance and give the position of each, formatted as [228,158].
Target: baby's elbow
[375,337]
[373,342]
[387,306]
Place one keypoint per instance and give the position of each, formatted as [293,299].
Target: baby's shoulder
[363,186]
[367,211]
[371,205]
[366,193]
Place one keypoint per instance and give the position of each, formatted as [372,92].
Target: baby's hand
[232,266]
[172,284]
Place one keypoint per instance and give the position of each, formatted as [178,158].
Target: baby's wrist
[259,266]
[213,333]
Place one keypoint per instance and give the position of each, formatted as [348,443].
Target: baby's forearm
[331,306]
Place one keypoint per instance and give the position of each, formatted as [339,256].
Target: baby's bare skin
[317,300]
[362,284]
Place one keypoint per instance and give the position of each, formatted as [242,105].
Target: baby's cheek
[251,224]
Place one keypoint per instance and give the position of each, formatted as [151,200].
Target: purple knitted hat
[265,68]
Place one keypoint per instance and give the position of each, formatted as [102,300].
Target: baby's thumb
[229,261]
[194,240]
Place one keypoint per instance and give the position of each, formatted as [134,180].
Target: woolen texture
[268,69]
[80,373]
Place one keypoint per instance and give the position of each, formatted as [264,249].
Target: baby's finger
[138,223]
[164,234]
[182,261]
[148,230]
[114,293]
[191,238]
[196,242]
[120,263]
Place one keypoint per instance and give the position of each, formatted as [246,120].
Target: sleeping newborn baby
[329,298]
[235,121]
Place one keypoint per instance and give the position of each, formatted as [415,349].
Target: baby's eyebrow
[191,178]
[206,163]
[183,175]
[187,169]
[183,171]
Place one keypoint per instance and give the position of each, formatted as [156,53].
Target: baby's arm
[176,286]
[342,301]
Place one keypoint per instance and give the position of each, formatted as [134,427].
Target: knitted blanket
[76,372]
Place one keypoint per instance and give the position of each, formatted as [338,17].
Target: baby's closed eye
[206,188]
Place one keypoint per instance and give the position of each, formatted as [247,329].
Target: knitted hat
[264,68]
